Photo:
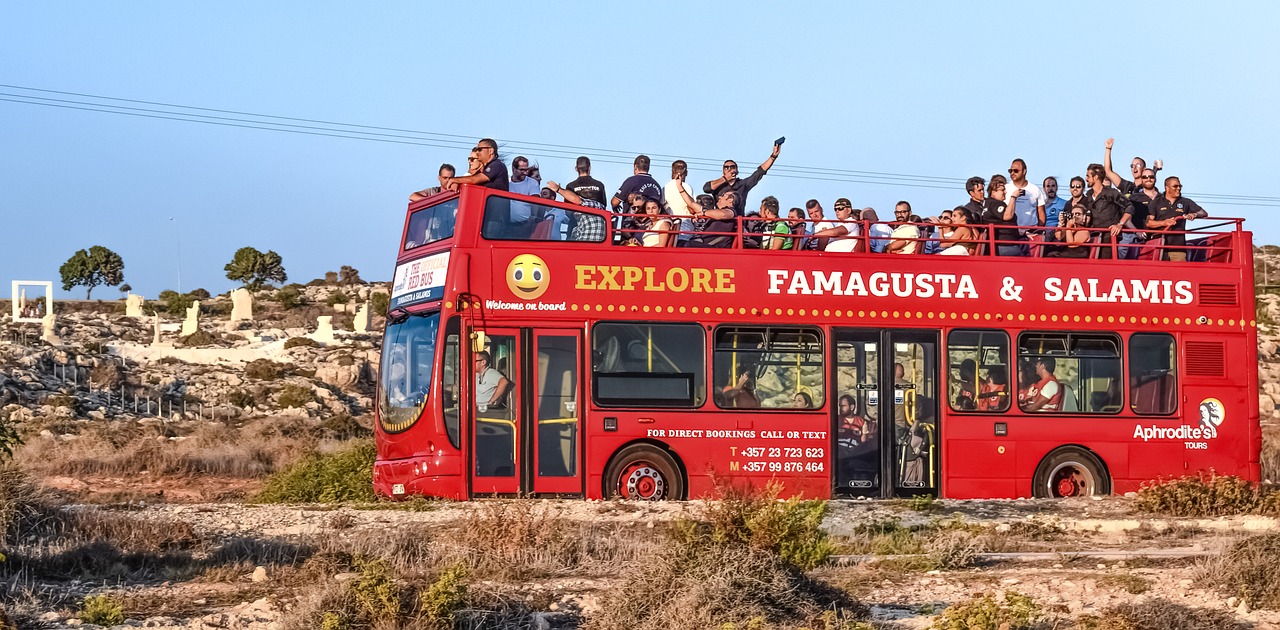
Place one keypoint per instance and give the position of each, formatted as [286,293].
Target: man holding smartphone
[740,187]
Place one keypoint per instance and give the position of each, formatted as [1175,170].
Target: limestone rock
[324,330]
[192,323]
[133,306]
[241,305]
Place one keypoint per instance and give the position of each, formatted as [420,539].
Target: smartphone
[779,141]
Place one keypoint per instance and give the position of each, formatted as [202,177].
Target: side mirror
[478,341]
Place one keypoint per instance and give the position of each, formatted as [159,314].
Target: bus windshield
[408,355]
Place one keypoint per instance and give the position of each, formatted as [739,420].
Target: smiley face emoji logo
[527,276]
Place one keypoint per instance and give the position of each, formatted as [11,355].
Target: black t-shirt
[739,186]
[1071,206]
[1109,207]
[993,214]
[644,184]
[975,211]
[1162,209]
[1140,206]
[496,171]
[588,188]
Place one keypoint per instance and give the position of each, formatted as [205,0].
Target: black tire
[643,472]
[1070,471]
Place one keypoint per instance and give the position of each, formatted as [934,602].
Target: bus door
[885,413]
[526,429]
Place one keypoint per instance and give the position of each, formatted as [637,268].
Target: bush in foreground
[1206,495]
[343,476]
[101,610]
[792,529]
[1247,570]
[1014,611]
[1158,614]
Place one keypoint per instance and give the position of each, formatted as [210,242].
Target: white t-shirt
[487,384]
[671,192]
[845,243]
[521,211]
[904,232]
[650,238]
[1026,207]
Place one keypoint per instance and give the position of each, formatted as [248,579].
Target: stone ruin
[133,306]
[361,323]
[324,330]
[192,323]
[241,306]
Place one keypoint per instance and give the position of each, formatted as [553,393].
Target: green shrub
[376,593]
[1247,570]
[379,302]
[290,297]
[264,370]
[1205,495]
[338,297]
[987,613]
[303,342]
[440,603]
[101,610]
[343,476]
[755,517]
[295,396]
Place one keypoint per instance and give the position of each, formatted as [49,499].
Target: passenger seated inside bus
[967,396]
[993,393]
[492,386]
[742,395]
[802,400]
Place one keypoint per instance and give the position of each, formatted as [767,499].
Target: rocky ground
[290,397]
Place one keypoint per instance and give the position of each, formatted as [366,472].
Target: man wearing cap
[740,187]
[842,236]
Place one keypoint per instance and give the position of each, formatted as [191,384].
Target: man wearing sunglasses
[1131,191]
[493,173]
[1027,198]
[740,187]
[1171,211]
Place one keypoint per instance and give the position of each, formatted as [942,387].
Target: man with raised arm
[1130,191]
[583,227]
[1027,198]
[675,201]
[719,223]
[729,180]
[1171,211]
[1135,165]
[1109,208]
[493,173]
[446,171]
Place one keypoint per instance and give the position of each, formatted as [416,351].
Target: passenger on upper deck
[656,226]
[1028,200]
[679,209]
[975,187]
[584,227]
[729,180]
[493,173]
[1126,187]
[720,225]
[843,235]
[1075,237]
[996,212]
[1109,208]
[961,240]
[1171,211]
[777,235]
[521,211]
[586,186]
[817,225]
[446,171]
[639,182]
[795,222]
[1053,205]
[904,233]
[878,234]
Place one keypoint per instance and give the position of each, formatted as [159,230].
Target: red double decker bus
[541,359]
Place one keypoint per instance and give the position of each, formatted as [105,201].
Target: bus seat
[1154,393]
[635,360]
[1035,244]
[542,231]
[609,356]
[1069,400]
[1152,249]
[1094,244]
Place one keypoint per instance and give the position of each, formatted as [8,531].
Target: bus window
[429,225]
[648,365]
[544,223]
[451,368]
[978,370]
[409,351]
[1153,380]
[768,368]
[1078,373]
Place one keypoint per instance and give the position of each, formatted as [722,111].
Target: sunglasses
[1077,186]
[1015,170]
[728,167]
[482,148]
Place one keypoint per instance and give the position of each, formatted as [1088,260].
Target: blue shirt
[1052,209]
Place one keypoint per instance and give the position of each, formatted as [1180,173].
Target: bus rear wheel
[1070,472]
[642,472]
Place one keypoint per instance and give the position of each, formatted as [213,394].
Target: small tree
[126,289]
[97,266]
[255,269]
[349,275]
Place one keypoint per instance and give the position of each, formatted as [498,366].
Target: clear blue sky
[936,89]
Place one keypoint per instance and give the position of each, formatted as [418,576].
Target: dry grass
[1158,614]
[1206,495]
[1247,570]
[1270,458]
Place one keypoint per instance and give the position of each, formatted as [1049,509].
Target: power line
[392,135]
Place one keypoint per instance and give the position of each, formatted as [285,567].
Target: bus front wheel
[642,472]
[1070,472]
